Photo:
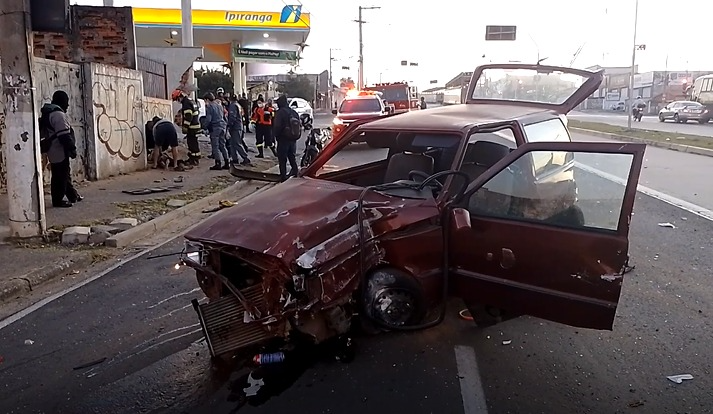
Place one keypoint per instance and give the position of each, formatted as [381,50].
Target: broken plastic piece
[667,225]
[679,378]
[507,342]
[29,342]
[254,387]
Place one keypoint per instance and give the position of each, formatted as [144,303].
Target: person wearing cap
[191,125]
[165,136]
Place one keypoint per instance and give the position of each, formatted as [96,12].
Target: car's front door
[548,233]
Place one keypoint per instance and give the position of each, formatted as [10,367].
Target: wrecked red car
[489,201]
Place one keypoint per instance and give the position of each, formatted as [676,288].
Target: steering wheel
[420,174]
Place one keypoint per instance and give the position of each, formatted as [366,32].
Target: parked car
[621,106]
[303,109]
[490,202]
[684,111]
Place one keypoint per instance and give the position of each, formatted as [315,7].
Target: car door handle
[507,260]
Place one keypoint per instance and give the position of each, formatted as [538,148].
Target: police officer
[262,118]
[191,124]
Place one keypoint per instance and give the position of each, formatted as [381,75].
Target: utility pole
[187,36]
[330,92]
[361,44]
[633,68]
[22,156]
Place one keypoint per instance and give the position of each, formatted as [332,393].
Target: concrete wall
[99,34]
[50,76]
[117,119]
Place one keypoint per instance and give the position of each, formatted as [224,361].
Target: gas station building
[246,40]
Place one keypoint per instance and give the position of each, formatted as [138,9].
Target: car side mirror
[334,111]
[459,220]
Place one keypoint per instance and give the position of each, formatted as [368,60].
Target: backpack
[46,136]
[293,129]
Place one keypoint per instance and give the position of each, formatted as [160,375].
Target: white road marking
[471,387]
[671,200]
[46,301]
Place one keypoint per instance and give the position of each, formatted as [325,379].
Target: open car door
[557,88]
[548,233]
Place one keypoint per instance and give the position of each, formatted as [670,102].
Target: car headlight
[194,252]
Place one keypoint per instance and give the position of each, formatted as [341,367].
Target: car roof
[361,97]
[456,117]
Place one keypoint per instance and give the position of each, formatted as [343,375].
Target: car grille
[223,325]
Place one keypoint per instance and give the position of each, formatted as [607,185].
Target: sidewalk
[36,261]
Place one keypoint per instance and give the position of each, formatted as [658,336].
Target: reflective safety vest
[190,114]
[263,116]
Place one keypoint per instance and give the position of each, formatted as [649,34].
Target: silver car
[684,111]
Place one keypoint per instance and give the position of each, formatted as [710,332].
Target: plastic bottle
[271,358]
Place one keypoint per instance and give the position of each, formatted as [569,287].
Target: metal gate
[154,77]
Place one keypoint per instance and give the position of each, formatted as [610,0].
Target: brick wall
[99,34]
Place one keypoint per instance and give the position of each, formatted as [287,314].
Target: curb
[674,147]
[127,237]
[26,283]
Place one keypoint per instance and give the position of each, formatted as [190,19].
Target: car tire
[676,119]
[703,121]
[661,118]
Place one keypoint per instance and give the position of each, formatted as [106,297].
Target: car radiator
[223,323]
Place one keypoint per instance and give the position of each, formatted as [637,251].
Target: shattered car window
[376,157]
[575,193]
[526,85]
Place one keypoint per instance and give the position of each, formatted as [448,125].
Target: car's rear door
[548,233]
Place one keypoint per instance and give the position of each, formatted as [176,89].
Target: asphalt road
[650,122]
[129,342]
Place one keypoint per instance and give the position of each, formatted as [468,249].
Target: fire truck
[398,95]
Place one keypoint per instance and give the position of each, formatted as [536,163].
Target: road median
[694,144]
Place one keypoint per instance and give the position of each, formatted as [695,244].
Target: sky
[447,37]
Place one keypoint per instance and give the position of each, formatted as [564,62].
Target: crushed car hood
[303,213]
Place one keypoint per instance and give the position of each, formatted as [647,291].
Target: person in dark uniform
[62,148]
[165,136]
[191,124]
[245,104]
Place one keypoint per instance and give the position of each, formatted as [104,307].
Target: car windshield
[394,94]
[528,85]
[360,105]
[691,104]
[427,152]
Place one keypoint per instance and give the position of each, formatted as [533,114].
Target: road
[138,338]
[648,122]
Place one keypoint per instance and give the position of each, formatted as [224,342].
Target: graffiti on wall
[116,119]
[156,107]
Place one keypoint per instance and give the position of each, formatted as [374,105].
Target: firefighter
[191,124]
[262,118]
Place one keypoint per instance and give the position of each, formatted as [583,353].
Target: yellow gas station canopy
[290,18]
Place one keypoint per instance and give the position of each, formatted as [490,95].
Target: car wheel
[676,119]
[661,118]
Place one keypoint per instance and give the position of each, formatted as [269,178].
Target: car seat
[411,158]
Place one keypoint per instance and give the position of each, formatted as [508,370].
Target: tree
[298,86]
[209,80]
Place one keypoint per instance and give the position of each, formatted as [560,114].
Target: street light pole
[330,92]
[361,44]
[633,67]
